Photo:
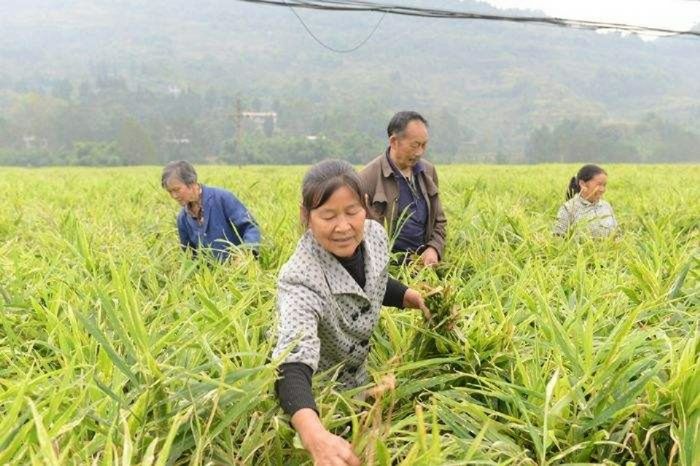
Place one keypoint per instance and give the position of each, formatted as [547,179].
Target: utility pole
[237,121]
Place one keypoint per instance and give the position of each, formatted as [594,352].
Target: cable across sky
[403,10]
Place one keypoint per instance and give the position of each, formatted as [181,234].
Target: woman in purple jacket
[210,218]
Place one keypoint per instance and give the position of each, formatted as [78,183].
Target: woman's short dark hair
[585,173]
[181,170]
[325,178]
[398,122]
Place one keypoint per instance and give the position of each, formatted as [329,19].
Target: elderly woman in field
[211,218]
[585,205]
[329,296]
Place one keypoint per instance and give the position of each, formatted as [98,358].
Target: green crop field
[116,348]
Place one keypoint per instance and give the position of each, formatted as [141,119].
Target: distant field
[117,349]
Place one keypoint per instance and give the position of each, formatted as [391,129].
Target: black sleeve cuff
[294,387]
[393,296]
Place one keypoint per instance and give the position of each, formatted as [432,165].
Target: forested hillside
[131,82]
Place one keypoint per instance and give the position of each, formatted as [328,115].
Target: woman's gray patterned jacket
[597,217]
[324,316]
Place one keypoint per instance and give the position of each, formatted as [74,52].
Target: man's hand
[413,300]
[325,448]
[430,256]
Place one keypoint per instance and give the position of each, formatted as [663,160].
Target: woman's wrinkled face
[338,224]
[181,192]
[593,189]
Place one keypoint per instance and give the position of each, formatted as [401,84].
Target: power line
[364,6]
[333,49]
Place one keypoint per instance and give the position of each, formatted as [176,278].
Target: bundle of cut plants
[440,336]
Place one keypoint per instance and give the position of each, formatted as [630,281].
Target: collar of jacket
[584,201]
[428,186]
[387,171]
[416,170]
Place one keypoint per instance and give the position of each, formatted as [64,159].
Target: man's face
[409,147]
[181,192]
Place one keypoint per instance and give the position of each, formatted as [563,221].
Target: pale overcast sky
[670,14]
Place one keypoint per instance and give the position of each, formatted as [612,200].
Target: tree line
[108,122]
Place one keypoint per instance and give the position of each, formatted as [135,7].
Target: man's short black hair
[398,122]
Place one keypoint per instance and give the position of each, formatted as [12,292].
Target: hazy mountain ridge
[499,81]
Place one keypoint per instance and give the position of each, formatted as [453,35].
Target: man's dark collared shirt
[413,210]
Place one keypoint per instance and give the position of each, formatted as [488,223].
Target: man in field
[210,218]
[403,190]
